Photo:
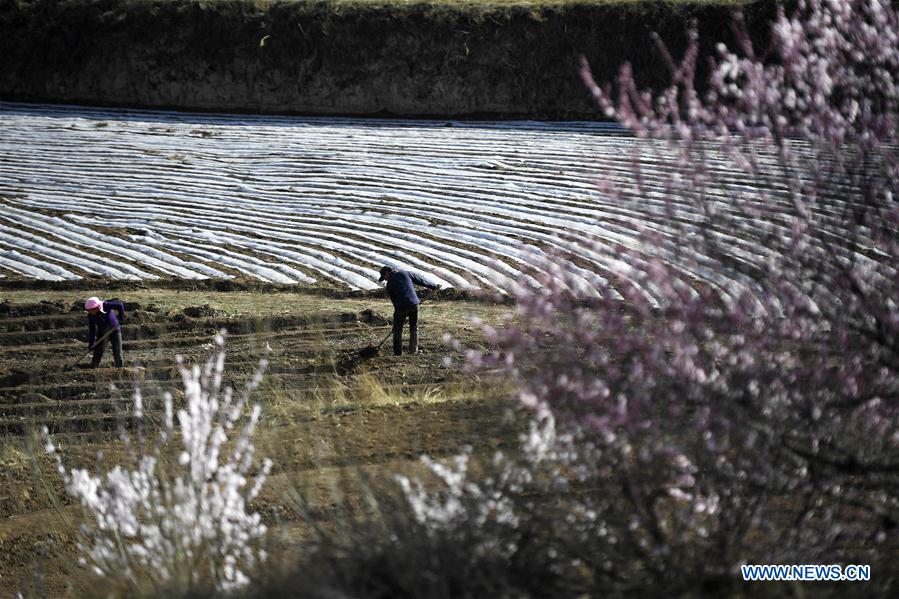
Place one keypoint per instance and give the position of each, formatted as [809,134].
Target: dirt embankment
[228,285]
[327,58]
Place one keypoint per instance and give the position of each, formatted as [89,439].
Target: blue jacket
[98,324]
[401,291]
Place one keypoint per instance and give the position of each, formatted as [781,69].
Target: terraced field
[327,410]
[314,345]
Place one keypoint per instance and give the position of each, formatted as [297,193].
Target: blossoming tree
[182,527]
[758,423]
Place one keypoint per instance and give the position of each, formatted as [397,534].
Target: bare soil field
[330,415]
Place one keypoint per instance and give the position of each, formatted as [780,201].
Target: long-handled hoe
[91,348]
[372,350]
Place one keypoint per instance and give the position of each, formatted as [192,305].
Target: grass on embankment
[492,4]
[450,58]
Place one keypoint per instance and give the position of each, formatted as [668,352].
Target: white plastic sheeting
[134,194]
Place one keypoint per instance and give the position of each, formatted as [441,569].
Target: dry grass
[13,455]
[366,390]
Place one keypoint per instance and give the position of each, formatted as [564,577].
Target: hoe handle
[386,337]
[92,347]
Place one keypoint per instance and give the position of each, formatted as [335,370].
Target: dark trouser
[399,319]
[99,347]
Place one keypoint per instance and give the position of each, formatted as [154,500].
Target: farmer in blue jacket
[405,305]
[104,323]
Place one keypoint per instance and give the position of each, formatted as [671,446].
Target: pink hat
[93,302]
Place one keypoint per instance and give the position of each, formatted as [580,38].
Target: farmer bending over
[405,305]
[104,325]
